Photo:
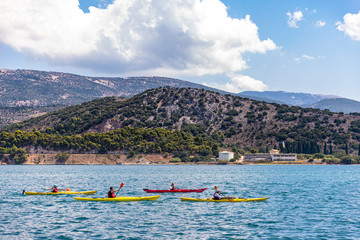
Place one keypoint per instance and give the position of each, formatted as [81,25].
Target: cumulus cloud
[320,23]
[350,26]
[239,83]
[175,37]
[294,18]
[304,56]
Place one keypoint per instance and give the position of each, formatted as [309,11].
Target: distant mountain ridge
[40,88]
[330,102]
[338,105]
[290,98]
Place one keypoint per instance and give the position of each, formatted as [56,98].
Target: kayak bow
[223,200]
[119,199]
[176,190]
[61,192]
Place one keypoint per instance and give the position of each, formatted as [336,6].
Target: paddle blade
[68,189]
[121,185]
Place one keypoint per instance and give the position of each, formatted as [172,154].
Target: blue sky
[235,45]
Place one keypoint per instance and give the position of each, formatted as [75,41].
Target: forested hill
[40,88]
[242,122]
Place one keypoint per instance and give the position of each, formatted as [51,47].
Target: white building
[255,157]
[225,155]
[284,157]
[273,155]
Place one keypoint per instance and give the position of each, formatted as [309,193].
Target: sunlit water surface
[305,202]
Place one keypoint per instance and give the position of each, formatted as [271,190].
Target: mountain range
[40,88]
[330,102]
[289,98]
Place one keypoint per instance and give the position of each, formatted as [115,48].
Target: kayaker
[111,193]
[54,189]
[172,187]
[217,194]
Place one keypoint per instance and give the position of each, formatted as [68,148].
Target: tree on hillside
[346,149]
[331,149]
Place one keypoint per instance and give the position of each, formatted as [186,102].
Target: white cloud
[294,18]
[160,37]
[239,83]
[350,26]
[304,56]
[320,23]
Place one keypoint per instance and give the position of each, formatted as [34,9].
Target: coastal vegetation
[125,140]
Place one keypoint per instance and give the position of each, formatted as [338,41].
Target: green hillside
[217,119]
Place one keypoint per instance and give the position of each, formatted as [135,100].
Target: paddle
[230,199]
[121,185]
[68,189]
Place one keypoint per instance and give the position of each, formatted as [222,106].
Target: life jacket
[54,189]
[216,197]
[111,194]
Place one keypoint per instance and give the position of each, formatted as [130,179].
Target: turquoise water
[305,202]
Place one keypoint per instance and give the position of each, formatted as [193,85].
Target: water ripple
[306,202]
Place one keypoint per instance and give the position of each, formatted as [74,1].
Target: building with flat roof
[257,157]
[274,155]
[225,155]
[284,157]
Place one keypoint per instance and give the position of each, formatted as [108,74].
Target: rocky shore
[89,159]
[123,159]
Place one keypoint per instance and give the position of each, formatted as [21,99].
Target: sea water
[305,202]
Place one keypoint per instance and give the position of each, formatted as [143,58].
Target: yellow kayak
[60,192]
[119,199]
[223,200]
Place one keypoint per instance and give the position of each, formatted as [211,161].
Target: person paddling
[172,187]
[217,194]
[54,189]
[111,193]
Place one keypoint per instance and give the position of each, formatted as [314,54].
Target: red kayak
[176,190]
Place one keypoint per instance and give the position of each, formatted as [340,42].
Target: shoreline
[141,159]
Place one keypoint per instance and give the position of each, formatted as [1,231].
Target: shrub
[333,161]
[131,154]
[20,159]
[62,157]
[319,155]
[175,160]
[18,154]
[253,150]
[345,160]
